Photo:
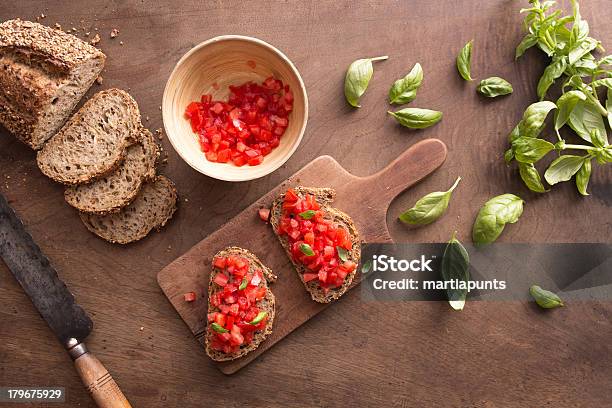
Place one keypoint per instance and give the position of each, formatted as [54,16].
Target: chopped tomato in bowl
[235,316]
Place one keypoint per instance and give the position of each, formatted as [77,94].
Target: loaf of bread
[44,73]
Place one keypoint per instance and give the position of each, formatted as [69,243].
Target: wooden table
[353,354]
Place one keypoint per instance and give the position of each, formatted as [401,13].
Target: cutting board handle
[414,164]
[98,381]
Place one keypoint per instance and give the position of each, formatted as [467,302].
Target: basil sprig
[464,60]
[545,298]
[416,118]
[218,328]
[357,79]
[494,86]
[404,89]
[493,217]
[455,266]
[260,316]
[429,208]
[306,249]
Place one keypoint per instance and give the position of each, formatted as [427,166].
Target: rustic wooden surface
[405,355]
[294,306]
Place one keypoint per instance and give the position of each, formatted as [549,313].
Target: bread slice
[266,304]
[94,141]
[325,197]
[44,73]
[152,208]
[118,189]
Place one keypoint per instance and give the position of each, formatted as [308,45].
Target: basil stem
[545,298]
[404,89]
[464,60]
[357,79]
[429,208]
[493,217]
[494,86]
[416,118]
[455,266]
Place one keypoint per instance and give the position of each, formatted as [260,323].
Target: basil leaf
[404,89]
[527,42]
[260,316]
[581,49]
[583,176]
[563,168]
[508,155]
[585,117]
[218,328]
[429,208]
[357,79]
[493,217]
[515,134]
[306,249]
[416,118]
[552,72]
[306,215]
[598,139]
[604,156]
[607,82]
[366,267]
[342,253]
[607,60]
[533,119]
[494,86]
[464,60]
[455,265]
[609,106]
[530,149]
[545,298]
[565,105]
[531,177]
[243,284]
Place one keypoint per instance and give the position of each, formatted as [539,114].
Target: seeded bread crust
[94,141]
[267,304]
[325,197]
[111,193]
[152,209]
[43,74]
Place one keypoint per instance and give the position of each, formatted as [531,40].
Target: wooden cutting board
[365,199]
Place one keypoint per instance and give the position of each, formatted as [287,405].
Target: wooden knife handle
[98,381]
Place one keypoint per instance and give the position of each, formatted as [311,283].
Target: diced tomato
[221,279]
[255,161]
[310,276]
[264,214]
[189,296]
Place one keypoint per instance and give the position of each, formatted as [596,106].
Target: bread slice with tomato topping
[321,241]
[241,306]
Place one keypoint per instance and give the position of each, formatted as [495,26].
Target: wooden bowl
[209,68]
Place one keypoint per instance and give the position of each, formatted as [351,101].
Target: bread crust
[325,197]
[267,304]
[35,61]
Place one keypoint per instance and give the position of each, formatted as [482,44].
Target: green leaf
[530,149]
[508,155]
[464,60]
[515,134]
[585,117]
[404,89]
[455,265]
[563,168]
[367,266]
[607,82]
[357,79]
[429,208]
[493,217]
[551,73]
[258,319]
[494,86]
[609,106]
[218,328]
[528,41]
[583,176]
[342,253]
[544,298]
[306,249]
[243,284]
[306,215]
[598,139]
[416,118]
[565,105]
[531,177]
[581,49]
[533,119]
[604,156]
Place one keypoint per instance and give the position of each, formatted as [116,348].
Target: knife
[68,321]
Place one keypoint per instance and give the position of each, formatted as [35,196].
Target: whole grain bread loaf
[44,73]
[267,304]
[113,192]
[325,197]
[152,208]
[94,141]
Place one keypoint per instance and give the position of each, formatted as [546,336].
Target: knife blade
[57,306]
